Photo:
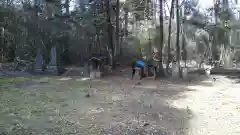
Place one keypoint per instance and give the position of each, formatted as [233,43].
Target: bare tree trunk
[126,22]
[178,35]
[169,34]
[148,2]
[125,29]
[66,5]
[98,45]
[184,50]
[117,26]
[121,44]
[110,34]
[215,43]
[161,70]
[154,6]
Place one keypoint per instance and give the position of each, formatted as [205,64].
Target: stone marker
[53,66]
[86,70]
[38,67]
[175,72]
[185,72]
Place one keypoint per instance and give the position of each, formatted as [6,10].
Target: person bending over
[139,64]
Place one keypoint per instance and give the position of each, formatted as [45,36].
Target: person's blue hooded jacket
[140,63]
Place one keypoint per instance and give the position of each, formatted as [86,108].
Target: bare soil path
[216,108]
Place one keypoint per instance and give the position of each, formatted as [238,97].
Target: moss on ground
[12,80]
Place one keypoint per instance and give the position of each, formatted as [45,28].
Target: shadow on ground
[234,77]
[115,105]
[232,74]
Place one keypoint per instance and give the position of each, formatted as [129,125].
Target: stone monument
[53,66]
[86,70]
[38,67]
[175,72]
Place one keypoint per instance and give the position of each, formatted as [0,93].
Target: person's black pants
[134,70]
[152,69]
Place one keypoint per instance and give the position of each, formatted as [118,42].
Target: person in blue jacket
[140,64]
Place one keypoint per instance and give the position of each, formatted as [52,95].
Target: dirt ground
[116,105]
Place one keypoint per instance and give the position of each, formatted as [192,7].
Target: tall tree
[126,11]
[66,6]
[169,33]
[161,70]
[117,47]
[178,39]
[110,34]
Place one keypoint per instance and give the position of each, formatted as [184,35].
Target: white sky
[205,3]
[202,4]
